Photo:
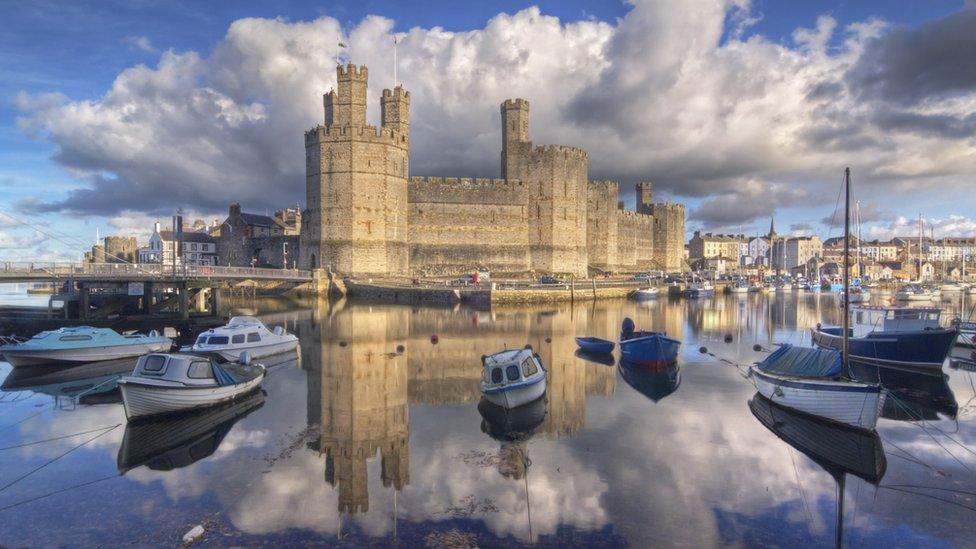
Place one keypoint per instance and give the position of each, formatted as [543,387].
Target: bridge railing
[38,269]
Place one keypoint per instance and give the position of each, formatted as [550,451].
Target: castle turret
[348,106]
[515,131]
[645,197]
[395,106]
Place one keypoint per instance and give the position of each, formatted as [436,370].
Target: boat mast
[847,266]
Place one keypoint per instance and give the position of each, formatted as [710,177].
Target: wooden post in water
[84,301]
[184,300]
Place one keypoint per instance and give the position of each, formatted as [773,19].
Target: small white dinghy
[646,293]
[244,333]
[164,383]
[81,344]
[513,378]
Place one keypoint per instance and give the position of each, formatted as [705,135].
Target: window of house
[199,370]
[239,338]
[193,247]
[253,336]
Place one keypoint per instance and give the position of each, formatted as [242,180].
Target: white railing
[48,270]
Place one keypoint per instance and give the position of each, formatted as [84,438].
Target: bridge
[37,271]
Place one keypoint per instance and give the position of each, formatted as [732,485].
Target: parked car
[465,280]
[547,279]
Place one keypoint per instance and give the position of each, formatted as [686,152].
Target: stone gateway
[367,217]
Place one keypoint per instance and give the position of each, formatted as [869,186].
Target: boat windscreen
[222,376]
[802,362]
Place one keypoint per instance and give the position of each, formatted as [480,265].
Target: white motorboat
[513,378]
[646,293]
[952,288]
[858,294]
[81,344]
[164,383]
[244,333]
[914,292]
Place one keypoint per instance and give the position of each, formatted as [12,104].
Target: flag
[340,44]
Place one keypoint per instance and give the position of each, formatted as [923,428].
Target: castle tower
[669,235]
[515,132]
[356,182]
[556,178]
[645,197]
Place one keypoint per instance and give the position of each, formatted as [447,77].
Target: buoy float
[703,349]
[757,347]
[400,349]
[434,339]
[728,338]
[343,344]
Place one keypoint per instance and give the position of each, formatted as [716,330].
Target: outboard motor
[279,331]
[245,358]
[627,329]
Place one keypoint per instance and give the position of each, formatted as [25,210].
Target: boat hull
[925,349]
[650,350]
[595,345]
[645,294]
[696,294]
[146,400]
[513,397]
[849,403]
[906,296]
[54,357]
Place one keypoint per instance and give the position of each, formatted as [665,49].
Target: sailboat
[818,381]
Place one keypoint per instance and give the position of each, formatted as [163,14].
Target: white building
[757,252]
[795,251]
[199,248]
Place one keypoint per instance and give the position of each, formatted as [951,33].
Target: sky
[116,114]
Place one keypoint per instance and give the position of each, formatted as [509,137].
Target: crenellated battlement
[631,215]
[352,72]
[466,182]
[560,151]
[517,103]
[373,134]
[396,92]
[605,185]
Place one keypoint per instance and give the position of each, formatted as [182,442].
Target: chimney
[156,227]
[235,209]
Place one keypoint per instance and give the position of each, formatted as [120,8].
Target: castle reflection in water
[365,370]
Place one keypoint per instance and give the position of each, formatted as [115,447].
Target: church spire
[772,228]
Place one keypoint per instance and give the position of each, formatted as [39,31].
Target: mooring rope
[49,462]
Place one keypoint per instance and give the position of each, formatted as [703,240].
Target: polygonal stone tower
[556,177]
[356,182]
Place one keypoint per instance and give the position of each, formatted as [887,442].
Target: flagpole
[394,61]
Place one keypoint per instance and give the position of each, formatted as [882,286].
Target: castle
[367,216]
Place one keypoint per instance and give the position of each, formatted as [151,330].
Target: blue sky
[78,49]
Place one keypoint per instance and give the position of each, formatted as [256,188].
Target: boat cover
[802,362]
[222,376]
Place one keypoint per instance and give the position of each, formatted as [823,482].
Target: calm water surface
[356,443]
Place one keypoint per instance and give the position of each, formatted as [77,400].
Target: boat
[756,288]
[654,382]
[812,381]
[646,348]
[513,378]
[967,332]
[784,287]
[81,344]
[739,287]
[859,294]
[244,333]
[893,336]
[646,293]
[914,292]
[595,345]
[818,381]
[179,440]
[952,288]
[699,288]
[164,383]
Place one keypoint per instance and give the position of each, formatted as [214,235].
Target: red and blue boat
[646,348]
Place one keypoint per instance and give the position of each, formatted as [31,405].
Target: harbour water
[374,435]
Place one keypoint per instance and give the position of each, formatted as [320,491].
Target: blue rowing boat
[595,345]
[646,348]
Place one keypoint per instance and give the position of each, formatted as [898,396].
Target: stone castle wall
[457,225]
[601,225]
[121,249]
[669,235]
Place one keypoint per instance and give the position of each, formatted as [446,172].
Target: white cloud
[952,225]
[660,94]
[140,43]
